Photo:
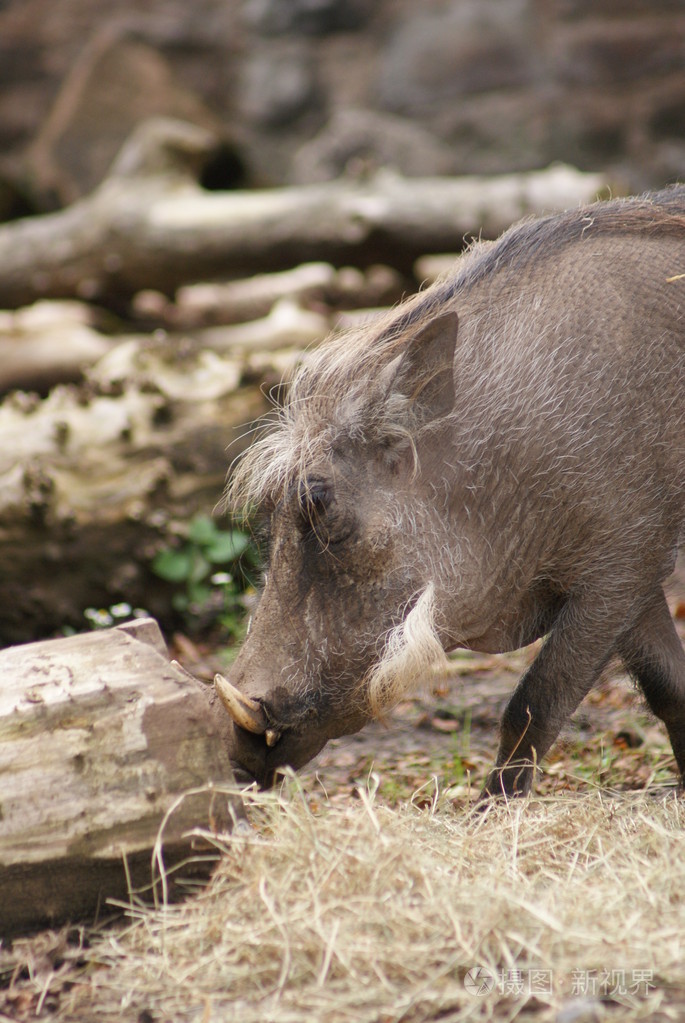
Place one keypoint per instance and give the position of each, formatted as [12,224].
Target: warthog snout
[268,735]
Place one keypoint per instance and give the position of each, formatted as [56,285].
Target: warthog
[498,459]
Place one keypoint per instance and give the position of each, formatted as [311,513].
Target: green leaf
[202,530]
[174,566]
[227,546]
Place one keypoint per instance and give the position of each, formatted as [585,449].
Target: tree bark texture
[114,763]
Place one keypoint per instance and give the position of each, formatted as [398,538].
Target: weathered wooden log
[316,286]
[51,343]
[57,341]
[114,763]
[150,225]
[48,343]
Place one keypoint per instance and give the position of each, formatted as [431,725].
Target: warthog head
[346,619]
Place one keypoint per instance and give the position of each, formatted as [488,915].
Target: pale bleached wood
[111,759]
[48,343]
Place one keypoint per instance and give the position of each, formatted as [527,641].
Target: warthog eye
[321,517]
[314,499]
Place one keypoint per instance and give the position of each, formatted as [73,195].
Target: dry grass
[366,913]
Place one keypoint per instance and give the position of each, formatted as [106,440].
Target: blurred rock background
[303,90]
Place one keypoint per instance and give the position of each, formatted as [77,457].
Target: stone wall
[304,89]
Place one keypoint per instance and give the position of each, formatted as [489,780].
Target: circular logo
[479,981]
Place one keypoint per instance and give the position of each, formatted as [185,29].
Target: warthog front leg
[564,671]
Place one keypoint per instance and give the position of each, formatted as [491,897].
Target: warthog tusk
[271,736]
[245,712]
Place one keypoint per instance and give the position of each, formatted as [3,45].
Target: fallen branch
[151,226]
[46,344]
[53,342]
[313,286]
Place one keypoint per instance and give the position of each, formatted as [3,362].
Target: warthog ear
[424,372]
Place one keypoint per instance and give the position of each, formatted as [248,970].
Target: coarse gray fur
[500,458]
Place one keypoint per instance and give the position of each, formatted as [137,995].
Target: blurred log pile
[145,324]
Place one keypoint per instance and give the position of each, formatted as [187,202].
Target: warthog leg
[565,670]
[654,656]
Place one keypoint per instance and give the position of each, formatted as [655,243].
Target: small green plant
[211,584]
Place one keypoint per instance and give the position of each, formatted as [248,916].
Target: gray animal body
[499,459]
